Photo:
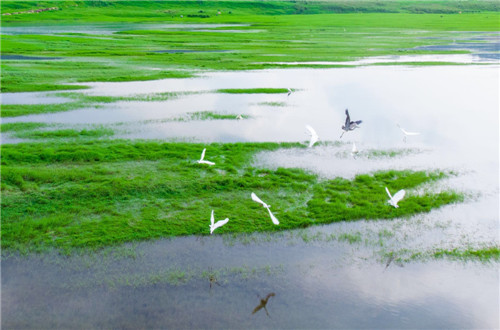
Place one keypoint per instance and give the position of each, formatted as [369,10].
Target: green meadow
[266,34]
[78,188]
[99,193]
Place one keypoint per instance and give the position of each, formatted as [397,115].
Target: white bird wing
[273,218]
[314,135]
[212,219]
[388,193]
[399,196]
[257,199]
[405,132]
[203,154]
[206,162]
[354,149]
[220,223]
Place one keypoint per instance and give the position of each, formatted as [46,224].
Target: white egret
[406,133]
[396,198]
[289,92]
[202,161]
[258,200]
[349,125]
[214,226]
[314,136]
[354,150]
[239,117]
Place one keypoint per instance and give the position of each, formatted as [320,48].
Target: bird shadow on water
[263,304]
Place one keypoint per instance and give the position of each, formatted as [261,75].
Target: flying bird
[354,150]
[396,198]
[258,200]
[214,226]
[202,161]
[406,133]
[314,136]
[263,303]
[349,125]
[289,92]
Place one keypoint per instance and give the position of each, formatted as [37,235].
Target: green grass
[65,133]
[287,31]
[488,253]
[101,193]
[19,127]
[254,91]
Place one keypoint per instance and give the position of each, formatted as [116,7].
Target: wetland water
[334,276]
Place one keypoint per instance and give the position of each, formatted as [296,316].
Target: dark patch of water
[23,57]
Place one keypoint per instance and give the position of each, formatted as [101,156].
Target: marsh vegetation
[105,210]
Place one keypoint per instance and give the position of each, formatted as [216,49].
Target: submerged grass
[100,193]
[485,254]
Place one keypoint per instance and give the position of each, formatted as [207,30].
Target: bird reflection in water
[263,303]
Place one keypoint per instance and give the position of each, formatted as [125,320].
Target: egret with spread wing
[214,226]
[314,136]
[258,200]
[202,161]
[396,198]
[406,133]
[349,125]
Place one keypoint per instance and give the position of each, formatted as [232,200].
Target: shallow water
[106,28]
[317,285]
[319,278]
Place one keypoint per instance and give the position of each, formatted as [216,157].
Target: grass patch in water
[18,127]
[16,110]
[101,193]
[208,115]
[64,133]
[253,91]
[273,104]
[484,254]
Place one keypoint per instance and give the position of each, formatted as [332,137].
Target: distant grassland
[100,193]
[271,32]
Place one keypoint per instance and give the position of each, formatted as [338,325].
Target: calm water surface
[319,279]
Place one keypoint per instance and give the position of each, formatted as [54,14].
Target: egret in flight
[258,200]
[396,198]
[289,92]
[406,133]
[314,136]
[214,226]
[202,161]
[349,125]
